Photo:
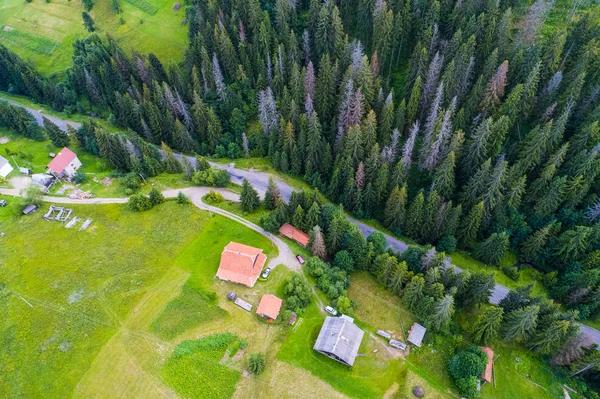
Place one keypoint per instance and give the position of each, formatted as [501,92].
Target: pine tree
[171,163]
[318,244]
[551,338]
[395,209]
[272,195]
[298,217]
[88,22]
[249,197]
[537,241]
[58,137]
[312,216]
[443,179]
[492,249]
[442,313]
[414,218]
[521,323]
[470,225]
[487,326]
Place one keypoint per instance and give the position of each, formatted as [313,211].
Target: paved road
[260,181]
[38,114]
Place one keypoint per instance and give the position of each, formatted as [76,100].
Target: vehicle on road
[300,259]
[331,310]
[267,271]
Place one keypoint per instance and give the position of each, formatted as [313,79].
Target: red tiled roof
[62,160]
[290,231]
[241,264]
[269,306]
[487,374]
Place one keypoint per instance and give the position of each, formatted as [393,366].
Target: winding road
[260,181]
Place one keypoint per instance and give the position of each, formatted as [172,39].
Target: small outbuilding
[42,180]
[29,209]
[269,307]
[241,264]
[416,334]
[339,339]
[289,231]
[397,344]
[384,334]
[487,373]
[5,167]
[25,171]
[177,6]
[65,163]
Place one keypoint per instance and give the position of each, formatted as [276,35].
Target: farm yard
[44,32]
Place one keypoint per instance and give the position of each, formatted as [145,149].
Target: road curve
[260,181]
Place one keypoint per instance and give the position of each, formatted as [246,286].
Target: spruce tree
[395,210]
[487,326]
[470,225]
[521,323]
[249,197]
[442,312]
[58,137]
[272,195]
[492,249]
[88,22]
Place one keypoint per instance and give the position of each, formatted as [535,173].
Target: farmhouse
[269,307]
[289,231]
[339,339]
[5,167]
[487,373]
[241,264]
[416,334]
[65,163]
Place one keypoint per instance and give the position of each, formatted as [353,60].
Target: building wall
[72,167]
[5,170]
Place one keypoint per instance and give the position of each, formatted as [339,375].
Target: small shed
[397,344]
[384,334]
[243,304]
[42,179]
[269,307]
[29,209]
[416,334]
[25,171]
[487,373]
[289,231]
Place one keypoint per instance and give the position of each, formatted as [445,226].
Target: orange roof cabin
[241,264]
[487,374]
[269,307]
[289,231]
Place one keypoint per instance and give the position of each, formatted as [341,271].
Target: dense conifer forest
[461,124]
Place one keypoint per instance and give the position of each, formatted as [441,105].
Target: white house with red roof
[65,163]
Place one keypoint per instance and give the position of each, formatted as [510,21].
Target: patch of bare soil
[225,357]
[20,182]
[388,351]
[237,356]
[389,394]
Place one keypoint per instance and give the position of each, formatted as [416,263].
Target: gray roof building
[339,339]
[416,334]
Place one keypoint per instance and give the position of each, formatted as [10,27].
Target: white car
[331,310]
[266,273]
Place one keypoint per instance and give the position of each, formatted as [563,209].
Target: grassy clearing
[236,208]
[194,370]
[80,285]
[150,26]
[194,306]
[15,37]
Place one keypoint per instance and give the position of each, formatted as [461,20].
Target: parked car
[267,271]
[300,259]
[331,310]
[3,203]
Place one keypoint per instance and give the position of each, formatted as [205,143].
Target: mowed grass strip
[27,40]
[193,370]
[144,5]
[194,306]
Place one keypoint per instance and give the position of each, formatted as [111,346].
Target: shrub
[297,292]
[222,178]
[139,203]
[447,244]
[156,197]
[131,181]
[204,178]
[269,222]
[79,177]
[214,197]
[465,367]
[182,199]
[512,272]
[256,363]
[344,261]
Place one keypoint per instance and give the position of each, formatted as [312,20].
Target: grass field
[150,26]
[80,305]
